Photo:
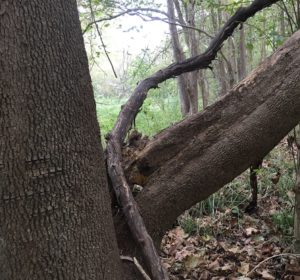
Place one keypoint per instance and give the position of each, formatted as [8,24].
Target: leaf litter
[236,247]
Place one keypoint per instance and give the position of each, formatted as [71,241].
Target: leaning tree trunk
[55,218]
[187,162]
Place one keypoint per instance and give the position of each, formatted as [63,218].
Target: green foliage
[284,221]
[188,224]
[107,113]
[159,110]
[275,198]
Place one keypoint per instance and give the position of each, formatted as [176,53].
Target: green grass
[236,195]
[156,114]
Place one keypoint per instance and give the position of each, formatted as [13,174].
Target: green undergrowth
[275,197]
[156,114]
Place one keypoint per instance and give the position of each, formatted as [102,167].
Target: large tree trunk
[55,218]
[186,163]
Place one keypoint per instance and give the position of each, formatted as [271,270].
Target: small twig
[293,152]
[124,12]
[101,39]
[151,18]
[273,257]
[136,12]
[138,266]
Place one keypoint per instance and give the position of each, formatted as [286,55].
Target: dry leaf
[251,230]
[215,265]
[228,267]
[234,250]
[205,275]
[266,275]
[193,261]
[244,269]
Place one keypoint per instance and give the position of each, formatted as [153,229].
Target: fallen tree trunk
[186,163]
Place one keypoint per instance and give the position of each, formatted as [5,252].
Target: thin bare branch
[138,266]
[101,39]
[124,12]
[291,21]
[272,257]
[137,12]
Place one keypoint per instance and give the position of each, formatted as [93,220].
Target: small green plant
[188,224]
[283,221]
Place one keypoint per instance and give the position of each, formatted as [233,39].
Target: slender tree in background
[296,142]
[182,80]
[55,217]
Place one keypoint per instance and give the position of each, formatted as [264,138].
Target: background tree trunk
[182,80]
[242,69]
[54,211]
[297,192]
[263,52]
[193,47]
[216,19]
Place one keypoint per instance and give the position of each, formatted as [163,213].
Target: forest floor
[217,240]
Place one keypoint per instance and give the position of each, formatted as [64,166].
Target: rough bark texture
[297,215]
[200,154]
[55,218]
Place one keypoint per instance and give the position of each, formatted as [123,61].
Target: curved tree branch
[137,12]
[102,42]
[132,11]
[128,114]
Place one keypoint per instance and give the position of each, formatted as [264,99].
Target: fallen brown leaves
[239,245]
[232,245]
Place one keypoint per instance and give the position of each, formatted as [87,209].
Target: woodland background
[215,239]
